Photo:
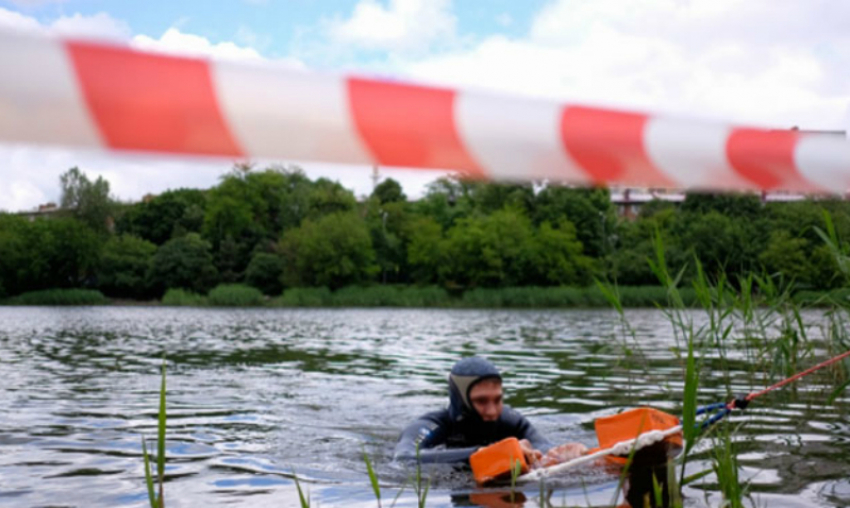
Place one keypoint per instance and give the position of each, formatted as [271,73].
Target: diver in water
[476,417]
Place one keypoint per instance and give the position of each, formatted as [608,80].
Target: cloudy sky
[776,63]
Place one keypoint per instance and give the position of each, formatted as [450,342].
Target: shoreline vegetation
[276,238]
[399,296]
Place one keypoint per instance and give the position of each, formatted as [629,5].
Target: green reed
[725,466]
[304,297]
[157,501]
[530,297]
[58,297]
[418,486]
[176,297]
[303,499]
[235,295]
[516,471]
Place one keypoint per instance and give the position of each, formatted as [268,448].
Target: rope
[621,448]
[722,409]
[797,376]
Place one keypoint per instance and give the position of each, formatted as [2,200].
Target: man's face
[486,398]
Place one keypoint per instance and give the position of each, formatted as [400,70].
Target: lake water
[255,395]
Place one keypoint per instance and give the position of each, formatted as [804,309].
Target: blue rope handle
[717,411]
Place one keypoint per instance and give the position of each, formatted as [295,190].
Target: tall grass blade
[610,293]
[689,407]
[148,476]
[515,472]
[421,492]
[304,500]
[838,391]
[373,478]
[726,468]
[160,454]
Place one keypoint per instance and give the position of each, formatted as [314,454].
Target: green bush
[235,295]
[176,297]
[59,297]
[823,298]
[304,297]
[567,297]
[264,273]
[425,296]
[184,262]
[124,262]
[391,296]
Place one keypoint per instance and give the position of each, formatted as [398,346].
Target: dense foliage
[276,229]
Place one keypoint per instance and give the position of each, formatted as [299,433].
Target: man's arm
[525,430]
[428,432]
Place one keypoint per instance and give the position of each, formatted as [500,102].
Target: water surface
[257,395]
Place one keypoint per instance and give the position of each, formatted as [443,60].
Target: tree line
[276,228]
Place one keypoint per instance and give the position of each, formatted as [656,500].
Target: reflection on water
[257,395]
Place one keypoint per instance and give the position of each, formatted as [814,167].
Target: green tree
[264,272]
[15,255]
[489,197]
[184,262]
[123,267]
[172,213]
[425,250]
[786,255]
[491,250]
[628,261]
[446,200]
[333,251]
[389,191]
[730,204]
[590,210]
[722,243]
[387,224]
[558,257]
[68,251]
[329,197]
[825,272]
[89,201]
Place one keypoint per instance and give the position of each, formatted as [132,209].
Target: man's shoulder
[512,416]
[438,416]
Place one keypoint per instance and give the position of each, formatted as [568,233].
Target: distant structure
[376,177]
[45,211]
[629,201]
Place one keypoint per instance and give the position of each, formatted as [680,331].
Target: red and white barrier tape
[86,94]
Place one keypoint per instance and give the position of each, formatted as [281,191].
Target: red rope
[797,376]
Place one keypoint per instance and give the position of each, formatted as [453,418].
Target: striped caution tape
[80,93]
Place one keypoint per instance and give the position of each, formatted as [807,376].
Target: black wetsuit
[442,439]
[453,434]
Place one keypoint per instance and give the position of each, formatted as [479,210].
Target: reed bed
[59,297]
[235,295]
[183,298]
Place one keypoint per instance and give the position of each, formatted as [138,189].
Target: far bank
[404,296]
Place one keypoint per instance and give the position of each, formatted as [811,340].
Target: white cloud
[753,61]
[97,26]
[403,25]
[11,20]
[30,174]
[175,41]
[34,3]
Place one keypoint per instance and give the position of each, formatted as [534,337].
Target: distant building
[47,210]
[629,201]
